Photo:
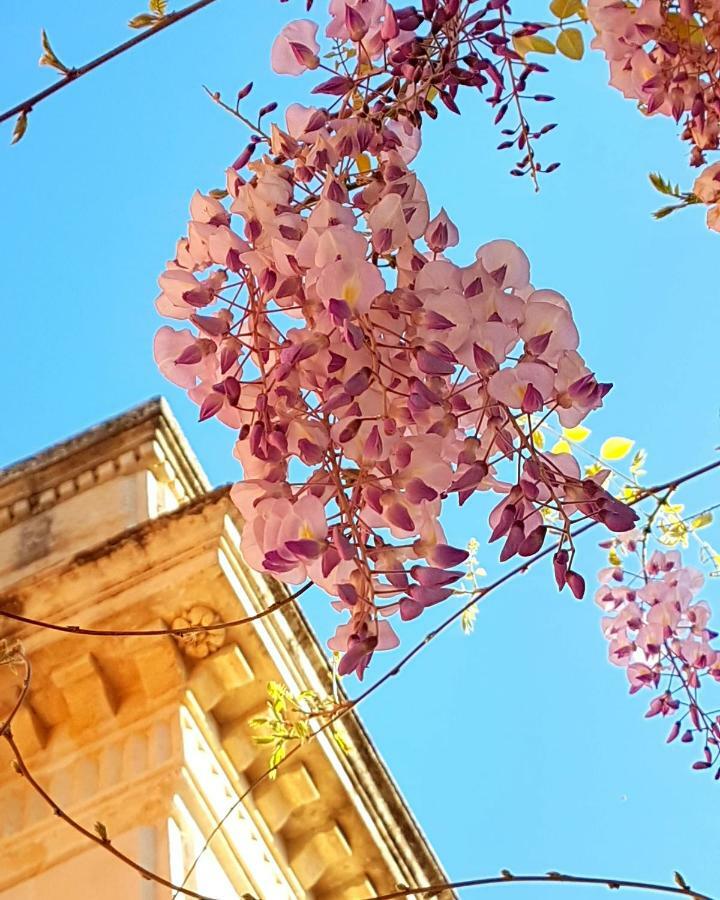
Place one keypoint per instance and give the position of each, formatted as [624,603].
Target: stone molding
[134,732]
[145,437]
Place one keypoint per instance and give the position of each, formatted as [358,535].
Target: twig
[21,696]
[524,127]
[518,570]
[156,632]
[27,105]
[22,769]
[555,877]
[181,889]
[430,636]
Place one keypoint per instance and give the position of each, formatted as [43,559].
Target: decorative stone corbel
[325,849]
[287,798]
[199,644]
[86,690]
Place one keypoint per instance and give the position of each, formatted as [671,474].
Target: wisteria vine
[659,632]
[368,376]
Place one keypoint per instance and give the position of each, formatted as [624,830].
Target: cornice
[147,576]
[147,436]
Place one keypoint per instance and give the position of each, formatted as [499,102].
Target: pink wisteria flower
[665,56]
[295,49]
[658,631]
[369,379]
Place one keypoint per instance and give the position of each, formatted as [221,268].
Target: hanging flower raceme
[658,631]
[369,378]
[666,55]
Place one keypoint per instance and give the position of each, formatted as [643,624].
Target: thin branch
[96,838]
[27,105]
[430,636]
[346,708]
[519,570]
[157,632]
[245,794]
[21,697]
[553,877]
[103,841]
[518,105]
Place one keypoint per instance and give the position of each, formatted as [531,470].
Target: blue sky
[517,746]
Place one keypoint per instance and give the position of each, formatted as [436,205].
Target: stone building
[118,529]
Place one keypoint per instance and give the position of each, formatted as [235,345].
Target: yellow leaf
[577,434]
[563,9]
[561,447]
[520,45]
[532,43]
[702,521]
[538,439]
[570,43]
[363,163]
[689,31]
[615,448]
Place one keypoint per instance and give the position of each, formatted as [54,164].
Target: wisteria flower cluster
[658,631]
[666,55]
[369,377]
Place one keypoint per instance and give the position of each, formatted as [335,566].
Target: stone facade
[119,529]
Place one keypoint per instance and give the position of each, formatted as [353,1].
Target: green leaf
[301,730]
[615,448]
[571,44]
[20,127]
[639,460]
[663,186]
[341,742]
[563,9]
[101,832]
[666,210]
[278,755]
[218,193]
[143,20]
[49,57]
